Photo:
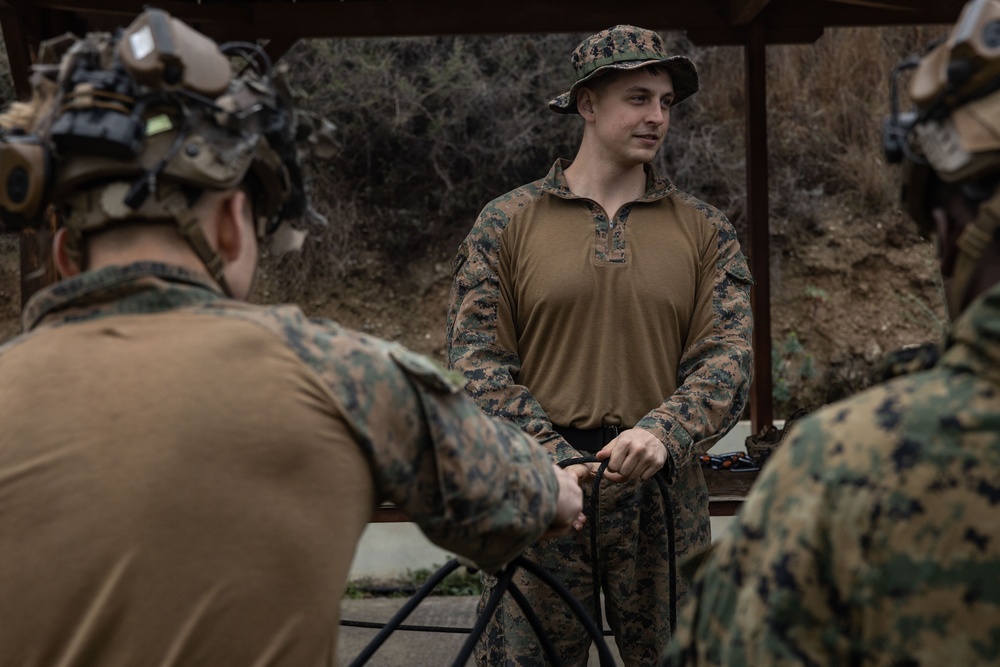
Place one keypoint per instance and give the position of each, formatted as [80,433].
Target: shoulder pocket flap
[427,371]
[737,268]
[472,271]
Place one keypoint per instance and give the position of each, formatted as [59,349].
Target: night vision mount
[962,67]
[155,101]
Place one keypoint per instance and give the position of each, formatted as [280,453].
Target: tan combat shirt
[601,310]
[641,320]
[184,478]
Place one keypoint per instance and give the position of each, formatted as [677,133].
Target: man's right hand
[569,505]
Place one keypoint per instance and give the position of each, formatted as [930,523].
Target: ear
[585,98]
[232,232]
[62,256]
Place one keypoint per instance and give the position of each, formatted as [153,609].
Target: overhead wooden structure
[752,24]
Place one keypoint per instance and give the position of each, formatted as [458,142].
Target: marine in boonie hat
[625,47]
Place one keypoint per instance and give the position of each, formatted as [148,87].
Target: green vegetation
[791,365]
[459,582]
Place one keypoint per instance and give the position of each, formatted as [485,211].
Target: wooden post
[755,65]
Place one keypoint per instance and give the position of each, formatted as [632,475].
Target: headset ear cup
[25,180]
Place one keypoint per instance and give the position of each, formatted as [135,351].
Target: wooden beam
[742,12]
[835,13]
[738,36]
[755,65]
[715,22]
[278,47]
[381,18]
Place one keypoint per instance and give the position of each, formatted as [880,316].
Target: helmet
[134,125]
[951,138]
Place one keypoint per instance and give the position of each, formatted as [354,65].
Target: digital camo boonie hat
[625,47]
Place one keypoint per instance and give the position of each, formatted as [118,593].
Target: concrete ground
[390,550]
[415,649]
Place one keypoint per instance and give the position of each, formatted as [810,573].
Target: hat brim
[682,72]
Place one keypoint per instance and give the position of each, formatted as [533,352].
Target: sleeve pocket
[738,270]
[470,271]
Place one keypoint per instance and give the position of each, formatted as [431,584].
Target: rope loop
[592,622]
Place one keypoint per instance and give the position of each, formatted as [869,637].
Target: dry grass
[430,129]
[825,104]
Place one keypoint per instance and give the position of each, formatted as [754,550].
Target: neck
[140,249]
[609,184]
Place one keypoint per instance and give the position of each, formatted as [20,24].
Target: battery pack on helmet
[160,51]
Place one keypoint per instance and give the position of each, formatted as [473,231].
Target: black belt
[589,439]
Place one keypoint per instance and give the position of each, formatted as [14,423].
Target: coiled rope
[593,518]
[592,622]
[504,584]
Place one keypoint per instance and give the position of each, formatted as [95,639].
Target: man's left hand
[634,454]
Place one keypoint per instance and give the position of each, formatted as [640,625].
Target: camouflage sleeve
[473,348]
[487,491]
[475,486]
[715,370]
[869,538]
[762,595]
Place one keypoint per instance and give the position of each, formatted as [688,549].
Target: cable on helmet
[131,125]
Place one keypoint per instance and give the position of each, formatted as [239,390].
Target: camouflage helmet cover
[625,47]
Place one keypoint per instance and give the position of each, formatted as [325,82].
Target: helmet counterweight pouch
[25,177]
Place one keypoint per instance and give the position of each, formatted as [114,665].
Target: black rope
[405,611]
[594,630]
[593,517]
[504,584]
[503,581]
[592,622]
[444,629]
[535,623]
[671,548]
[404,627]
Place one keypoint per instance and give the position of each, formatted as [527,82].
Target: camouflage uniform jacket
[713,372]
[872,536]
[456,501]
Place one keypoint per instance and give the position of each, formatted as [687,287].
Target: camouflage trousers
[634,573]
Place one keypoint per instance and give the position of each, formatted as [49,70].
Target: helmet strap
[973,240]
[188,224]
[94,209]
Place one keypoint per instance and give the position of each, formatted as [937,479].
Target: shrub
[432,128]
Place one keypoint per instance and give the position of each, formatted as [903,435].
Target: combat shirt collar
[142,287]
[657,187]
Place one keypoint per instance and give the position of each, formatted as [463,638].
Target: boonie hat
[625,47]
